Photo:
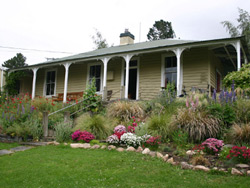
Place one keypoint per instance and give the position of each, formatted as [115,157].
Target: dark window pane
[52,89]
[48,77]
[133,63]
[48,89]
[98,71]
[98,84]
[53,76]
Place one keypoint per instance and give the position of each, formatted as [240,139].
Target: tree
[242,29]
[99,41]
[15,62]
[161,30]
[12,83]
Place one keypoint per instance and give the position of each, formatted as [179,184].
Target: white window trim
[88,69]
[45,78]
[163,56]
[138,76]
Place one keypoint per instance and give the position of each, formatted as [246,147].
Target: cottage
[140,70]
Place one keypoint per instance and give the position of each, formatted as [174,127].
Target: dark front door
[132,84]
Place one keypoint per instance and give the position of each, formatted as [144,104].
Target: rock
[236,172]
[200,167]
[103,147]
[120,149]
[65,143]
[159,155]
[165,158]
[53,143]
[171,161]
[130,149]
[77,145]
[139,149]
[86,146]
[152,153]
[215,168]
[248,173]
[5,152]
[190,152]
[96,146]
[110,147]
[185,165]
[242,166]
[21,148]
[146,151]
[222,170]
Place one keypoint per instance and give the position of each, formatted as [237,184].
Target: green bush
[160,126]
[125,110]
[93,142]
[180,138]
[63,131]
[197,123]
[98,125]
[242,111]
[141,129]
[239,134]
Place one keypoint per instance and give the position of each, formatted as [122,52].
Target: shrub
[125,110]
[212,145]
[242,111]
[180,138]
[96,124]
[82,136]
[198,124]
[224,153]
[93,142]
[63,131]
[141,129]
[239,133]
[199,160]
[153,143]
[160,125]
[239,154]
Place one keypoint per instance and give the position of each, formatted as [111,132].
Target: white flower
[113,139]
[131,139]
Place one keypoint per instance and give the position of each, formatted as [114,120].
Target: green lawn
[8,145]
[61,166]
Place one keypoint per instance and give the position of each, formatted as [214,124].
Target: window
[95,72]
[170,70]
[50,83]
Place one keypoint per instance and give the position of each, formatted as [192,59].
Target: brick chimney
[126,38]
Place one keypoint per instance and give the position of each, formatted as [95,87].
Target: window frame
[163,69]
[45,82]
[101,76]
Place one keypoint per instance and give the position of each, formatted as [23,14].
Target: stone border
[241,169]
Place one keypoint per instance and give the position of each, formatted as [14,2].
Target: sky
[49,26]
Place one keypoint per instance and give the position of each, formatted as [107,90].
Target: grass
[61,166]
[8,145]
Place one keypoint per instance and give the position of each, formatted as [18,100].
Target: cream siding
[115,66]
[150,76]
[195,68]
[26,84]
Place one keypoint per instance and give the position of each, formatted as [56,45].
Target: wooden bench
[70,96]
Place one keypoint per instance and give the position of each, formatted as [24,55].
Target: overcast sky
[67,25]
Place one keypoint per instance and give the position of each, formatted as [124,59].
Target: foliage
[152,143]
[180,138]
[240,133]
[212,145]
[198,124]
[239,154]
[141,129]
[243,29]
[224,153]
[92,101]
[12,80]
[99,41]
[82,136]
[93,142]
[242,111]
[161,30]
[63,131]
[97,124]
[160,125]
[240,78]
[199,160]
[15,62]
[125,110]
